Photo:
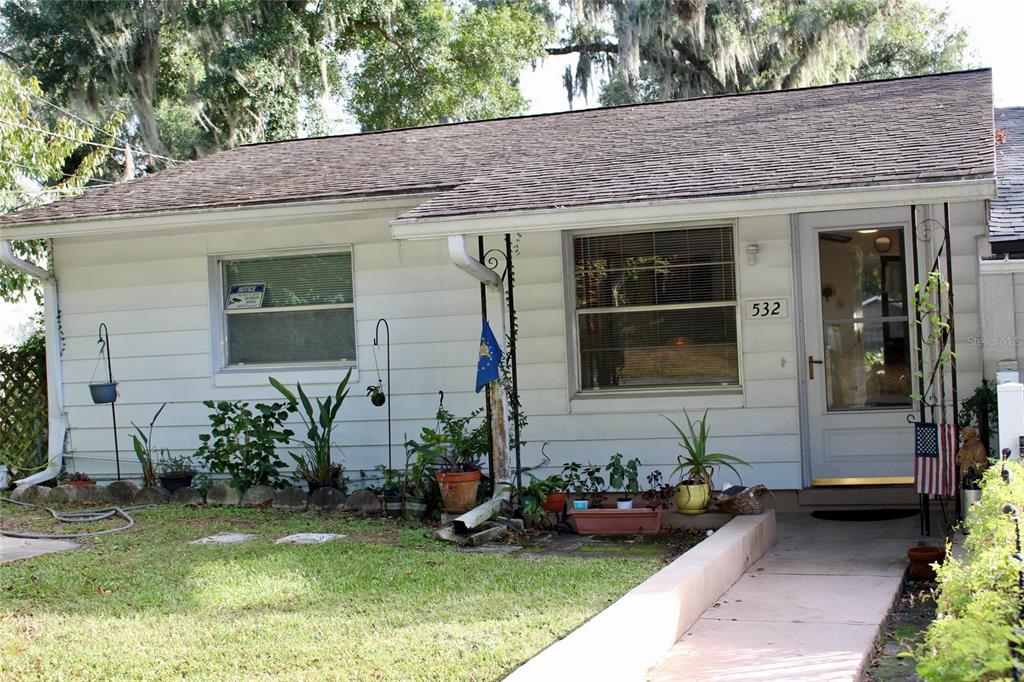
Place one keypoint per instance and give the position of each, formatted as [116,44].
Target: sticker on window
[245,296]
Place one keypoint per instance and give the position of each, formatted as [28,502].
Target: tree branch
[610,48]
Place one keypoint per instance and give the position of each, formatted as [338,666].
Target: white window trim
[247,375]
[576,392]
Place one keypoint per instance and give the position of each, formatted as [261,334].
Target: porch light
[752,250]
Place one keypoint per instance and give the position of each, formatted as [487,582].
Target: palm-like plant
[144,451]
[698,465]
[316,467]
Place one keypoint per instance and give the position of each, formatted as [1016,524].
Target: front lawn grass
[386,603]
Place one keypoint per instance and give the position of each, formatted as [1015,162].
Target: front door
[857,318]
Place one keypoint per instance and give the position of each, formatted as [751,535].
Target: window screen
[294,309]
[656,308]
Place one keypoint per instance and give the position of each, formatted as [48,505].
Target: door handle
[811,362]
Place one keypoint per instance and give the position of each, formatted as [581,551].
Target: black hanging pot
[376,394]
[105,393]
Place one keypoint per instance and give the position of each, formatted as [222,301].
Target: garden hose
[76,517]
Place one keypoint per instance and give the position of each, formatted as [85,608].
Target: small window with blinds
[288,310]
[656,309]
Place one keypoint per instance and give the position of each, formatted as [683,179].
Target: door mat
[864,514]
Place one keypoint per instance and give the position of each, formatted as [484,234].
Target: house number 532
[766,308]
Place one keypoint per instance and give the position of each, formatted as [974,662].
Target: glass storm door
[857,336]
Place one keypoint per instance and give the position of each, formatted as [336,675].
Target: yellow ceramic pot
[692,499]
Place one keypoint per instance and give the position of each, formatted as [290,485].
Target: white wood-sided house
[751,255]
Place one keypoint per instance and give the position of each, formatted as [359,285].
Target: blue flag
[489,362]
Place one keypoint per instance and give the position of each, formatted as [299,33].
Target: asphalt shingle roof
[1006,213]
[921,129]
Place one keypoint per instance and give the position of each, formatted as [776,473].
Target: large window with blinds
[288,310]
[656,309]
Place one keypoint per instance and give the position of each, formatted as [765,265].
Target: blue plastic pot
[103,393]
[580,504]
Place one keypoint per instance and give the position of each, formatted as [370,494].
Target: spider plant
[698,465]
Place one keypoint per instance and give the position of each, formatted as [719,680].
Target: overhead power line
[22,166]
[85,142]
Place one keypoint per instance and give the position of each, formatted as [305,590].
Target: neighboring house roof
[1006,212]
[910,130]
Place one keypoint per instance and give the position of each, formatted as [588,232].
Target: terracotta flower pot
[692,499]
[617,521]
[458,490]
[80,484]
[554,503]
[921,560]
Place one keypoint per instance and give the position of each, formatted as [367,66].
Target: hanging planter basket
[105,393]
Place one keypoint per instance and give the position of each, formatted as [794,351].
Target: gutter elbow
[458,252]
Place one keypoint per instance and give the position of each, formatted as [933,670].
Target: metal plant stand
[108,392]
[387,345]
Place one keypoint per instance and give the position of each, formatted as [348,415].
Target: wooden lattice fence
[23,406]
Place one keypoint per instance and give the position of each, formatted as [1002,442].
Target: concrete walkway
[810,609]
[14,549]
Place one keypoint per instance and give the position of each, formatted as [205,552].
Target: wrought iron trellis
[931,378]
[494,259]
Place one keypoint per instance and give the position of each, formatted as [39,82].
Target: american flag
[934,452]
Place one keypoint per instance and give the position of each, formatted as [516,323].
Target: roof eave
[692,209]
[220,217]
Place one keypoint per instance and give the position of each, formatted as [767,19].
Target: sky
[994,40]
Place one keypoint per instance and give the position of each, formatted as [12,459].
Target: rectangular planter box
[617,521]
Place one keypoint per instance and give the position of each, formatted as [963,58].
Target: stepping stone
[291,498]
[326,499]
[220,493]
[363,502]
[491,549]
[257,496]
[308,538]
[152,495]
[122,493]
[224,539]
[187,496]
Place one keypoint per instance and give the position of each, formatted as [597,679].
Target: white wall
[152,291]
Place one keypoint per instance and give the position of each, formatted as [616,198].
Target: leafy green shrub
[242,442]
[977,597]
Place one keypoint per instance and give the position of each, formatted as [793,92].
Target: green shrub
[242,442]
[977,599]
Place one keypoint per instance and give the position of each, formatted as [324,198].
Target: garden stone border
[622,642]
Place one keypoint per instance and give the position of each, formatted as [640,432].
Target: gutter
[706,208]
[54,374]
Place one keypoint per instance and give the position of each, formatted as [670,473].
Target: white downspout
[54,378]
[458,252]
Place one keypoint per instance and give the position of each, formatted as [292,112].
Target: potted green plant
[142,442]
[416,482]
[175,472]
[625,478]
[390,490]
[315,465]
[543,495]
[697,466]
[455,449]
[622,520]
[585,483]
[658,493]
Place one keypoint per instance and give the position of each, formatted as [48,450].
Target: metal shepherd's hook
[104,342]
[387,342]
